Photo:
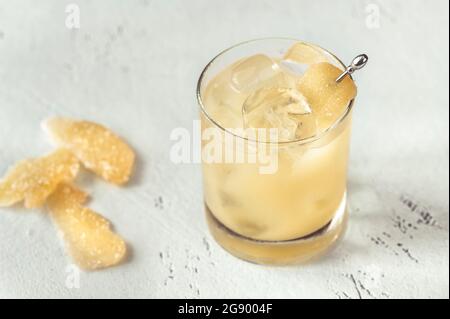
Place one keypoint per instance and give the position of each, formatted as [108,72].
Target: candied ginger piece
[98,148]
[305,54]
[33,180]
[87,235]
[327,98]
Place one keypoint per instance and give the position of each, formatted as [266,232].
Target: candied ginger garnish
[33,180]
[327,98]
[87,234]
[97,147]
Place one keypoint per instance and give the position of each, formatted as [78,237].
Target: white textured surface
[133,66]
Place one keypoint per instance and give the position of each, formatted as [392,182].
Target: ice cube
[293,68]
[255,72]
[306,125]
[327,98]
[222,94]
[283,108]
[228,118]
[224,104]
[228,200]
[306,54]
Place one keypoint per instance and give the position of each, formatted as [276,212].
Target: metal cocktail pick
[358,63]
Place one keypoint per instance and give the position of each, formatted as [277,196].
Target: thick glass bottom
[286,252]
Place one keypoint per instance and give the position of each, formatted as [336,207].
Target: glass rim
[300,141]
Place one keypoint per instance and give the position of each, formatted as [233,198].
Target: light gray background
[133,65]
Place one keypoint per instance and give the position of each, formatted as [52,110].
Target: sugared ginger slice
[87,235]
[305,54]
[33,180]
[327,98]
[97,147]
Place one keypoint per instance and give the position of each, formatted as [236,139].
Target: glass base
[286,252]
